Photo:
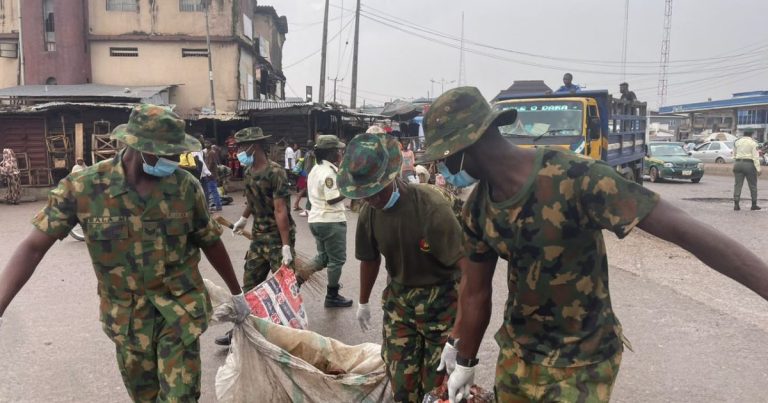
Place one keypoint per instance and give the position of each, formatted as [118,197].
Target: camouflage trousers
[518,381]
[167,371]
[417,322]
[14,188]
[265,255]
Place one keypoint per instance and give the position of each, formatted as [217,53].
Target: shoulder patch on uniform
[329,183]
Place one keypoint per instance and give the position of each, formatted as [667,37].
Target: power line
[643,64]
[318,50]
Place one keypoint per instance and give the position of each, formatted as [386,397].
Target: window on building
[191,5]
[50,27]
[51,81]
[122,5]
[186,52]
[124,52]
[10,50]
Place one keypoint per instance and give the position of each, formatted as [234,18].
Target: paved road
[697,335]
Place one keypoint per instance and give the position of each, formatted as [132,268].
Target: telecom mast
[664,62]
[462,65]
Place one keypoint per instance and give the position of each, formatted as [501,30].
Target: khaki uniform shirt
[145,251]
[746,148]
[321,187]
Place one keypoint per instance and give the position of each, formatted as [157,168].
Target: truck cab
[590,123]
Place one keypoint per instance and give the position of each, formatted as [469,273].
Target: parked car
[671,161]
[718,152]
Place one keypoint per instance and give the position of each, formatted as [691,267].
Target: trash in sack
[476,395]
[278,300]
[272,363]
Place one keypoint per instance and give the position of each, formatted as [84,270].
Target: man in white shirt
[290,157]
[79,166]
[327,220]
[746,165]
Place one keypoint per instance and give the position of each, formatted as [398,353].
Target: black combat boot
[755,206]
[736,206]
[334,300]
[224,340]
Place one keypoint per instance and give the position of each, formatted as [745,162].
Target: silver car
[714,151]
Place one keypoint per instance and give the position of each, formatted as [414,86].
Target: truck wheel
[654,174]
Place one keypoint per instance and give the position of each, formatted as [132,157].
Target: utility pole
[321,97]
[353,100]
[442,82]
[335,80]
[207,5]
[624,44]
[21,46]
[664,62]
[462,71]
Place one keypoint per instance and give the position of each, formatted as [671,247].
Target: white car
[718,152]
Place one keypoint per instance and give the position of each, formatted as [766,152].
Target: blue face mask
[164,167]
[393,198]
[461,179]
[244,158]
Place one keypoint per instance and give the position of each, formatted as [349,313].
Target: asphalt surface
[697,336]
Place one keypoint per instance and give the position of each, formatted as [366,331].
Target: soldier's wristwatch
[466,362]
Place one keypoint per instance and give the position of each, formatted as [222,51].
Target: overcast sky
[718,47]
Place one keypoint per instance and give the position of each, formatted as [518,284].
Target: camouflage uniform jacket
[261,189]
[145,251]
[558,312]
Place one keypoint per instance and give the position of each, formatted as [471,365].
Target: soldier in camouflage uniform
[145,223]
[267,195]
[543,210]
[413,227]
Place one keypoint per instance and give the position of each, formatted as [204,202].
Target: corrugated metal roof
[739,102]
[17,109]
[84,91]
[264,105]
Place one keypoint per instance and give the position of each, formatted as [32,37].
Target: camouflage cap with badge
[457,119]
[156,130]
[250,135]
[371,163]
[328,141]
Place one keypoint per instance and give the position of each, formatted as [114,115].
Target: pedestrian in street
[290,157]
[145,222]
[309,163]
[267,196]
[327,220]
[212,180]
[415,230]
[543,210]
[626,94]
[746,165]
[301,185]
[408,171]
[9,172]
[568,85]
[79,166]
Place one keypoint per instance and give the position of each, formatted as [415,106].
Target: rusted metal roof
[144,94]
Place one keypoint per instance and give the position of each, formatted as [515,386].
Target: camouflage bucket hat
[457,119]
[328,141]
[372,162]
[155,130]
[250,135]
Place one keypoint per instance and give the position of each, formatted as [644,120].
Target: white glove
[364,316]
[242,309]
[287,256]
[448,359]
[239,225]
[459,383]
